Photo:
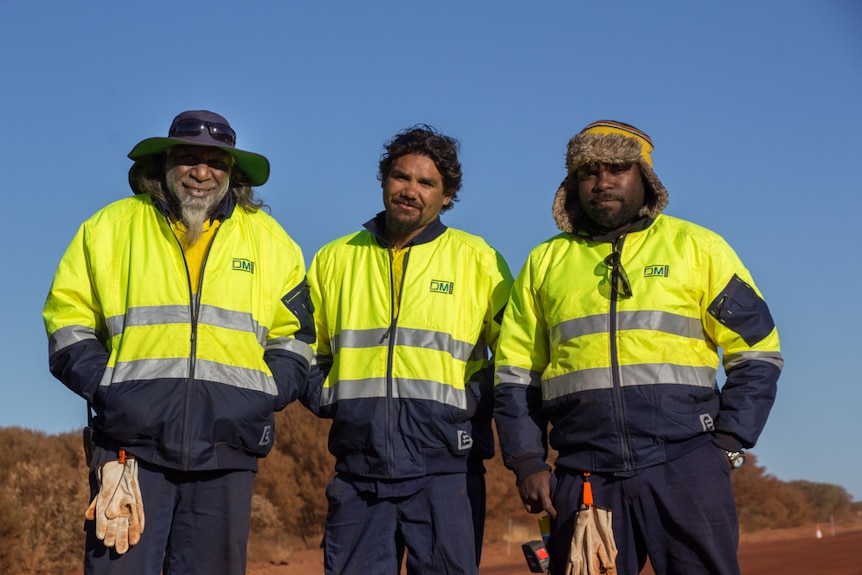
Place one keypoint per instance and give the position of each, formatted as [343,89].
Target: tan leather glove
[593,550]
[118,509]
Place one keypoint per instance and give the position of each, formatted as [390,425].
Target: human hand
[118,508]
[535,491]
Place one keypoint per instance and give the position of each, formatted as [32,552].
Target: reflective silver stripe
[431,391]
[358,339]
[235,376]
[149,315]
[405,337]
[401,388]
[237,320]
[519,375]
[143,369]
[630,376]
[664,322]
[108,376]
[652,320]
[115,325]
[579,327]
[174,314]
[66,336]
[734,359]
[149,369]
[292,345]
[353,389]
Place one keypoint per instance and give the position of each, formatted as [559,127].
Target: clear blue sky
[754,108]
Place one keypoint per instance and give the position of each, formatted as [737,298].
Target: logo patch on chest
[243,265]
[656,271]
[440,286]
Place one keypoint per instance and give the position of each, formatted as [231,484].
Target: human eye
[186,160]
[587,171]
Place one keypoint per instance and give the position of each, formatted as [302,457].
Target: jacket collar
[377,226]
[587,231]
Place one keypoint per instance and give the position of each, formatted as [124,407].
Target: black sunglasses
[619,278]
[220,132]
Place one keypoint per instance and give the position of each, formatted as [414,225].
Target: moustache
[407,203]
[605,198]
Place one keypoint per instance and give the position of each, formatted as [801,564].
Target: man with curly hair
[182,315]
[408,312]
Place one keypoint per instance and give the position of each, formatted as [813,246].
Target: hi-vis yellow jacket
[630,382]
[181,381]
[401,378]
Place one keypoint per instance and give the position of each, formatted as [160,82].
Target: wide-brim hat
[204,128]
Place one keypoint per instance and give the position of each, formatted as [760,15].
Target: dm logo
[439,286]
[243,265]
[653,271]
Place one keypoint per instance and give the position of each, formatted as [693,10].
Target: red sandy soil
[796,552]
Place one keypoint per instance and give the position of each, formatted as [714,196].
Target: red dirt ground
[772,553]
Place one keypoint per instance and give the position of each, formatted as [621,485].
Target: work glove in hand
[118,509]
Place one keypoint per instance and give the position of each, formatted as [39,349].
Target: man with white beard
[182,315]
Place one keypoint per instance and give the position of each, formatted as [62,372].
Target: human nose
[201,171]
[410,189]
[604,178]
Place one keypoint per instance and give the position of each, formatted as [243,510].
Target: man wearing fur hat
[181,314]
[612,336]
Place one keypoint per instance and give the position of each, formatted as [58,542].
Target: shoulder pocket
[298,301]
[739,308]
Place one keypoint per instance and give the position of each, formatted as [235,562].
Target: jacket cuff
[727,442]
[527,466]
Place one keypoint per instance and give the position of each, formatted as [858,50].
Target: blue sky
[754,108]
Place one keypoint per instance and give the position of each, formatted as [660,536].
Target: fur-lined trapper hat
[606,142]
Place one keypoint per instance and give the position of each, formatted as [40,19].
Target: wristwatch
[736,458]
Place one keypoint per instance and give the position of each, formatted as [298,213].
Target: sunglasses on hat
[191,127]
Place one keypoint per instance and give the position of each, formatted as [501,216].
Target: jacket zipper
[617,246]
[194,310]
[390,334]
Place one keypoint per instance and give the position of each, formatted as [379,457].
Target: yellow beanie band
[610,127]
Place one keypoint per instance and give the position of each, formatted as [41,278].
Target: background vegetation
[43,495]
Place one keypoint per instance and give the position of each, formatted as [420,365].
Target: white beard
[195,211]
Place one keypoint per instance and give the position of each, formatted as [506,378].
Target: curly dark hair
[147,176]
[424,140]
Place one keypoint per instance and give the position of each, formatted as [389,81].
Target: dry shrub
[268,542]
[44,492]
[294,476]
[764,502]
[505,516]
[44,495]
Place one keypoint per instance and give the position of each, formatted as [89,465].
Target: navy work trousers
[196,522]
[367,534]
[681,514]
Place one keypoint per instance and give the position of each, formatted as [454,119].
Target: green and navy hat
[204,128]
